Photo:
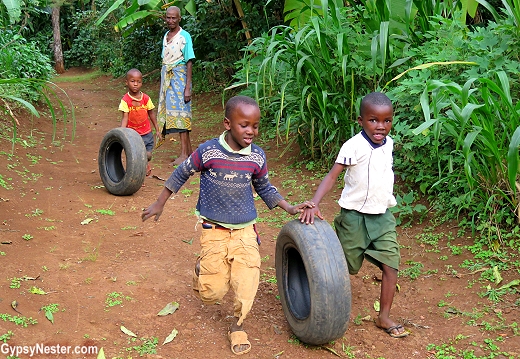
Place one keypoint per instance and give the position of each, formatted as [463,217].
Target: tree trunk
[58,52]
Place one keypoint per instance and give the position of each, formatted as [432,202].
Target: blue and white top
[179,50]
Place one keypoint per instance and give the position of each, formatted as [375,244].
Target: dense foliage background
[451,67]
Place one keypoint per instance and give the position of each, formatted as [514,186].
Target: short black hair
[133,70]
[375,99]
[235,101]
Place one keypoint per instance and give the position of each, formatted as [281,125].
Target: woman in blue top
[174,109]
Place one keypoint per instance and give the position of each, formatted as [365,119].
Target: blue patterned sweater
[226,195]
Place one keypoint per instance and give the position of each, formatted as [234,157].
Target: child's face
[172,18]
[376,121]
[134,81]
[242,126]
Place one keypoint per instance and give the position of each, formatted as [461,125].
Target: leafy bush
[309,81]
[20,58]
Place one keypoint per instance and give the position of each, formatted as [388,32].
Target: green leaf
[170,308]
[170,337]
[36,290]
[101,354]
[48,315]
[128,332]
[114,6]
[496,274]
[512,159]
[377,306]
[513,283]
[13,9]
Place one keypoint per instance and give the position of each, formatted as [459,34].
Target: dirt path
[116,270]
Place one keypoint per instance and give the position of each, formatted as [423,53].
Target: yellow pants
[229,258]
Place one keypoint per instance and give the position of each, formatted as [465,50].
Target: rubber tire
[116,180]
[313,281]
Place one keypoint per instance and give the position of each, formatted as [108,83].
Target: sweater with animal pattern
[226,195]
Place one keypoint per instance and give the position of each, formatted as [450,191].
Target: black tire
[313,281]
[117,179]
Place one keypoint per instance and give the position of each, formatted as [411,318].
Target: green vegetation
[116,298]
[18,319]
[147,346]
[448,350]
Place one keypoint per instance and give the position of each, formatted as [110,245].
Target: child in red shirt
[137,109]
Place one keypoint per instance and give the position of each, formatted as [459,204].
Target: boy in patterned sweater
[137,112]
[229,256]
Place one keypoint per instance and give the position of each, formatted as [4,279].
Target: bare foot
[243,346]
[393,329]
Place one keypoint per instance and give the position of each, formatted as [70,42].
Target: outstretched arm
[283,204]
[307,216]
[156,208]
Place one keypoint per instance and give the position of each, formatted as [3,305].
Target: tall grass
[480,122]
[309,80]
[12,98]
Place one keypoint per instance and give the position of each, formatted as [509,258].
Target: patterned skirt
[173,114]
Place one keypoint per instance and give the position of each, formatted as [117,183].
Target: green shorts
[370,236]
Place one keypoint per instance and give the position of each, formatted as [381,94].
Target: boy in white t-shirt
[365,225]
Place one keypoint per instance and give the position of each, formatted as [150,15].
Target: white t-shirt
[369,179]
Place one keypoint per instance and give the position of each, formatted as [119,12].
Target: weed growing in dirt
[107,212]
[49,228]
[27,237]
[268,278]
[148,346]
[92,254]
[33,159]
[413,272]
[187,192]
[449,350]
[18,319]
[115,298]
[348,350]
[294,340]
[4,184]
[15,283]
[5,337]
[36,213]
[49,311]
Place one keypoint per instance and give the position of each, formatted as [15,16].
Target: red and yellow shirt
[137,112]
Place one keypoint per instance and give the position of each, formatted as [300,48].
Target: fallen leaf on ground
[86,221]
[170,337]
[14,305]
[377,306]
[48,315]
[331,350]
[127,332]
[169,309]
[36,290]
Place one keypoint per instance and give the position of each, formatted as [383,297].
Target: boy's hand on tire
[307,216]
